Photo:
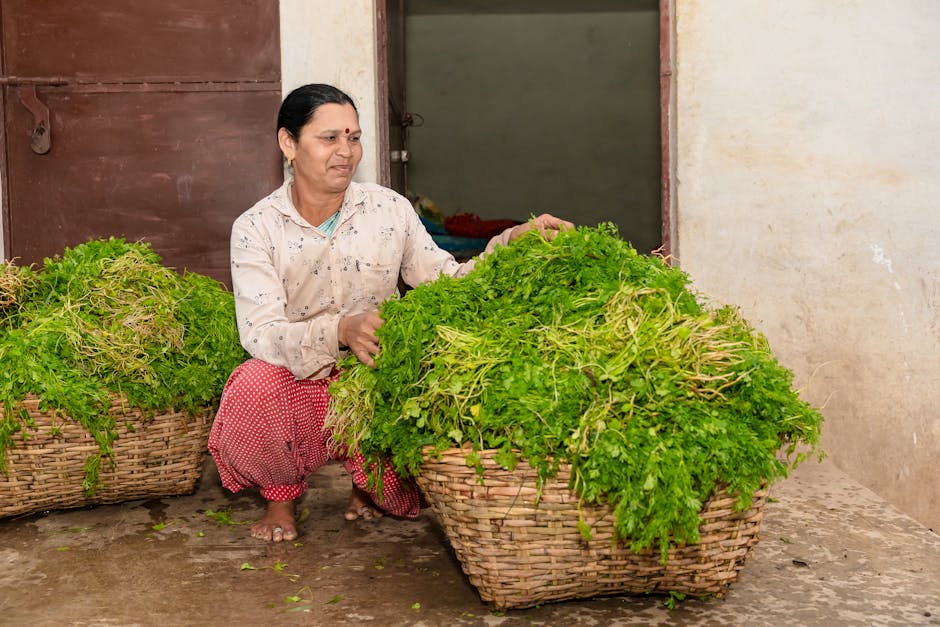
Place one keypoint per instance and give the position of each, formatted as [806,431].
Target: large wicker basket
[519,553]
[156,454]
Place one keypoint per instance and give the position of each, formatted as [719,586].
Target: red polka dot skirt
[268,434]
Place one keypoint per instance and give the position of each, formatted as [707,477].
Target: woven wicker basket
[155,455]
[519,553]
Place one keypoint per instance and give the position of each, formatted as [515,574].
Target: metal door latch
[41,137]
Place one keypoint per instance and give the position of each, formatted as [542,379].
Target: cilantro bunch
[580,350]
[106,317]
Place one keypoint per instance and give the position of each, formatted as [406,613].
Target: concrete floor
[831,553]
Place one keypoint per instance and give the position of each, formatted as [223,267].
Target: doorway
[519,107]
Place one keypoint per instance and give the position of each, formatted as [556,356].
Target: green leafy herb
[107,318]
[580,350]
[673,599]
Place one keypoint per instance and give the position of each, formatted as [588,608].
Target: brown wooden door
[161,117]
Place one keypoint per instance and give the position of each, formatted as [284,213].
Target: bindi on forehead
[347,131]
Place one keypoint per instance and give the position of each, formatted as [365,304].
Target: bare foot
[277,524]
[361,506]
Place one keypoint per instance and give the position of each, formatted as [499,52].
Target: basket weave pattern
[519,551]
[154,455]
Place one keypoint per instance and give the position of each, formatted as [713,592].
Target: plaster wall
[807,178]
[325,41]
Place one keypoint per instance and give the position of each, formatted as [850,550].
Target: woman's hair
[303,102]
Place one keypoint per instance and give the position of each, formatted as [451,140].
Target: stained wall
[807,180]
[325,41]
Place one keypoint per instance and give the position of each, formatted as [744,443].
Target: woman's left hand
[547,224]
[357,332]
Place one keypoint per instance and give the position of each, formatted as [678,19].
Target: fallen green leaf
[224,517]
[673,599]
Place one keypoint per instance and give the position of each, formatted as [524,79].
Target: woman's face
[328,150]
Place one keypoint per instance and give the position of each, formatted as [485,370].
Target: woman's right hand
[358,333]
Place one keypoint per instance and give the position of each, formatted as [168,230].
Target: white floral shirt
[292,282]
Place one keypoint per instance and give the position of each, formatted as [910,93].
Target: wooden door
[161,123]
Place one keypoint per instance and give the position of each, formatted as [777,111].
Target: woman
[311,263]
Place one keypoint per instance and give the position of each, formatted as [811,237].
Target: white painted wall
[334,42]
[808,179]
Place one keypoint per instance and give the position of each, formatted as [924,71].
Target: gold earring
[290,162]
